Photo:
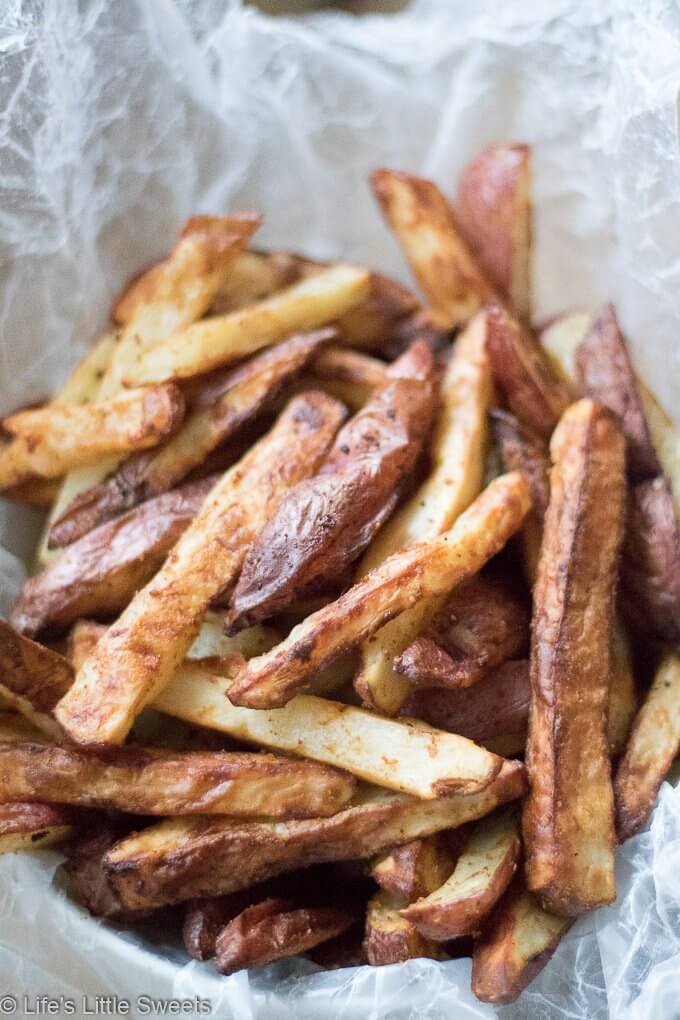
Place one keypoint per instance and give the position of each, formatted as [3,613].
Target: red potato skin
[38,674]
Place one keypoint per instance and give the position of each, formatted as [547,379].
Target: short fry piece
[494,212]
[32,827]
[653,744]
[183,858]
[457,452]
[415,869]
[569,814]
[32,678]
[137,657]
[481,876]
[425,569]
[50,441]
[426,229]
[205,919]
[390,937]
[147,781]
[515,946]
[222,339]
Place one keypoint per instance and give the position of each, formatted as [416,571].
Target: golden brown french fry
[223,404]
[32,826]
[180,859]
[415,869]
[482,874]
[222,339]
[50,441]
[390,937]
[440,259]
[277,928]
[137,657]
[345,365]
[515,946]
[569,815]
[83,383]
[99,574]
[494,212]
[254,275]
[370,325]
[146,781]
[427,569]
[653,744]
[457,452]
[32,678]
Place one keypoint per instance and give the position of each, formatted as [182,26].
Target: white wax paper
[118,120]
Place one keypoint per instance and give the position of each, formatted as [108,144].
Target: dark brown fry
[31,676]
[415,869]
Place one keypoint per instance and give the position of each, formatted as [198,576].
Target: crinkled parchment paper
[118,120]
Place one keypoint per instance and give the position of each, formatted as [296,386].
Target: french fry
[137,657]
[181,859]
[341,364]
[50,441]
[32,827]
[390,937]
[482,874]
[569,815]
[83,383]
[457,452]
[523,374]
[426,229]
[32,678]
[428,569]
[88,882]
[560,340]
[653,744]
[622,693]
[414,869]
[483,623]
[324,523]
[147,781]
[99,574]
[666,439]
[371,324]
[205,919]
[494,213]
[254,275]
[222,339]
[515,946]
[221,406]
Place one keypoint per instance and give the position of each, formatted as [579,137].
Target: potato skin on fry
[390,937]
[569,815]
[35,675]
[415,869]
[99,574]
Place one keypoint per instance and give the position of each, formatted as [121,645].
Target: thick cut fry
[223,339]
[32,678]
[137,657]
[481,876]
[426,229]
[498,706]
[32,826]
[205,919]
[88,882]
[484,622]
[390,937]
[622,693]
[99,574]
[324,523]
[523,374]
[183,858]
[83,384]
[605,373]
[55,439]
[569,815]
[515,946]
[274,929]
[494,212]
[653,744]
[424,570]
[400,754]
[147,781]
[225,401]
[650,569]
[457,453]
[415,869]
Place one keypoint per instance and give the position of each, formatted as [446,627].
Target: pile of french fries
[356,621]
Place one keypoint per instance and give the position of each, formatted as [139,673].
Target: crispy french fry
[569,815]
[99,574]
[426,229]
[205,919]
[494,212]
[274,929]
[32,826]
[481,876]
[137,657]
[427,569]
[223,339]
[653,744]
[515,946]
[224,402]
[88,882]
[32,678]
[457,452]
[183,858]
[415,869]
[147,781]
[523,374]
[390,937]
[50,441]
